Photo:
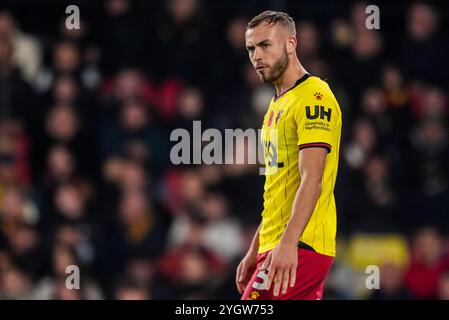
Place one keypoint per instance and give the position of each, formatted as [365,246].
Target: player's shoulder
[315,91]
[314,83]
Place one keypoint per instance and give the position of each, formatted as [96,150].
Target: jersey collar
[298,82]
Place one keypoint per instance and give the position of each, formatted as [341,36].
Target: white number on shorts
[261,285]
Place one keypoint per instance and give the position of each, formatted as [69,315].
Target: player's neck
[288,79]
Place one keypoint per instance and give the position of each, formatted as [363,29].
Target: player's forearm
[254,247]
[303,206]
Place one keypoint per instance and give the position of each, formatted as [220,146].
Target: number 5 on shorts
[261,285]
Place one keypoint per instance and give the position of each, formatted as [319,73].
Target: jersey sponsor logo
[319,111]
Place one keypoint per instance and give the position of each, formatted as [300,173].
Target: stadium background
[85,174]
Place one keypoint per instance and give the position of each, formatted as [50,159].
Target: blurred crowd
[85,122]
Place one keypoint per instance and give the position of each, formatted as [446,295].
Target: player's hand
[281,264]
[245,270]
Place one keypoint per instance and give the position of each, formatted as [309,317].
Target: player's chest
[277,121]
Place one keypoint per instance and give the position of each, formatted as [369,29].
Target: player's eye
[265,45]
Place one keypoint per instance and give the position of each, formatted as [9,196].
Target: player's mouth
[260,67]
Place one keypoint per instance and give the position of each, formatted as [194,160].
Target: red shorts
[310,275]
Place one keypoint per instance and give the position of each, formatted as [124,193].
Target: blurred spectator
[200,272]
[443,287]
[14,91]
[27,53]
[182,28]
[64,126]
[397,100]
[71,222]
[14,153]
[141,270]
[361,145]
[25,246]
[131,290]
[16,285]
[17,208]
[309,49]
[429,262]
[121,39]
[374,106]
[375,209]
[217,225]
[139,229]
[422,48]
[137,135]
[190,108]
[60,164]
[66,61]
[53,286]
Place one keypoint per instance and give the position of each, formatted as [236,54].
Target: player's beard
[277,70]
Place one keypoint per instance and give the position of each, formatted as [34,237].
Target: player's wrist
[253,251]
[288,243]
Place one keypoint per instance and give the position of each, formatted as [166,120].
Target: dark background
[85,173]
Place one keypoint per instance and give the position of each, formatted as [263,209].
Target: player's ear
[291,45]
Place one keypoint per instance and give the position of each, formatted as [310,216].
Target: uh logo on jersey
[319,111]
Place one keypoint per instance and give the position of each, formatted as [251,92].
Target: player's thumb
[240,272]
[242,275]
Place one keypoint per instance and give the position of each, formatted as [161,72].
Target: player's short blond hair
[273,17]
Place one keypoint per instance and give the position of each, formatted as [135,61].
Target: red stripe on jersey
[317,145]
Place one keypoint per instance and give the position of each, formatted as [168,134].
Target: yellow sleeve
[316,119]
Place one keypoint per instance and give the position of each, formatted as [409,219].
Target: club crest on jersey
[254,295]
[270,119]
[279,115]
[318,95]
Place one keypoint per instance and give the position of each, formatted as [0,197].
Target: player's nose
[257,55]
